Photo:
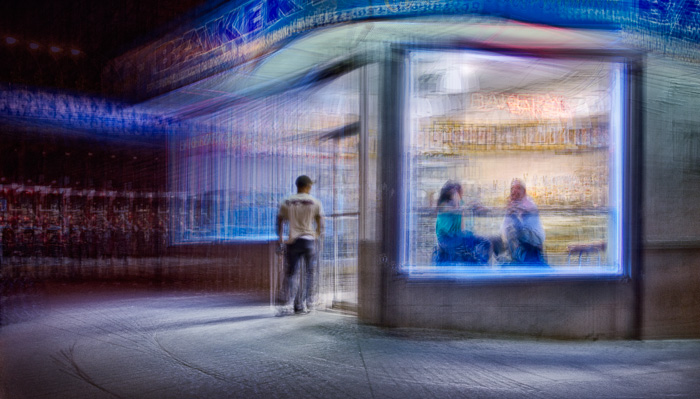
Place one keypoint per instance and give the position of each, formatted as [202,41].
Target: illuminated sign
[231,36]
[536,105]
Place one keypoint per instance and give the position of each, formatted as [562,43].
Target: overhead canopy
[329,52]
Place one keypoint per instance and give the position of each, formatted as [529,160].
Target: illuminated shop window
[230,170]
[486,126]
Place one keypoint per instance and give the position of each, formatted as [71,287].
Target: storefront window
[231,169]
[513,164]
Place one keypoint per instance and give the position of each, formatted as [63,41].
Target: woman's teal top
[449,224]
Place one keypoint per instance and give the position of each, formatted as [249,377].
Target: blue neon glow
[618,128]
[408,174]
[31,107]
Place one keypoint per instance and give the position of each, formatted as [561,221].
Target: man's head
[303,184]
[517,190]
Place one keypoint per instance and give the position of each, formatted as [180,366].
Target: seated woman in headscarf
[456,242]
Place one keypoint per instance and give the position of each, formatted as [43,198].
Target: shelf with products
[449,136]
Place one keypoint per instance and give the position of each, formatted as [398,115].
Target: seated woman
[522,229]
[456,242]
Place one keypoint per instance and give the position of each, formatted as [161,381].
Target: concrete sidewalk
[130,342]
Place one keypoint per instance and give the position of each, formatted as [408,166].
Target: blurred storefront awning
[325,53]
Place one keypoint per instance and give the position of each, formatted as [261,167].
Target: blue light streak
[31,107]
[618,129]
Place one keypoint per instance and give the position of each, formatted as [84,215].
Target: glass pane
[235,166]
[513,164]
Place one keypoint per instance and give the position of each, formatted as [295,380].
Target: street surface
[107,341]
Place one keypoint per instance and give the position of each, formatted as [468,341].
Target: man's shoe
[303,310]
[284,311]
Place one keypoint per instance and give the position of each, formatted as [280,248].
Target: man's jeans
[294,253]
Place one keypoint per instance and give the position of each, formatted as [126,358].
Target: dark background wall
[98,30]
[64,159]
